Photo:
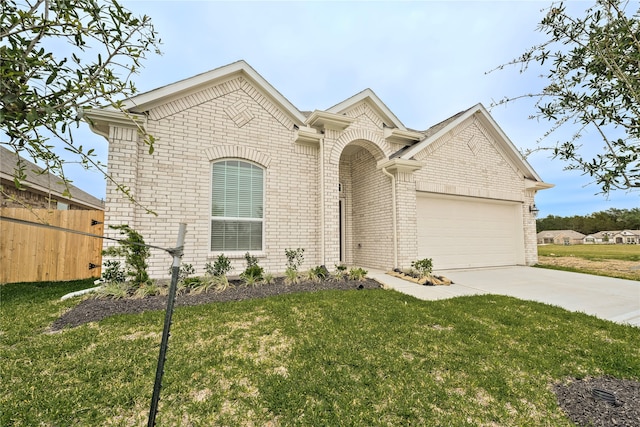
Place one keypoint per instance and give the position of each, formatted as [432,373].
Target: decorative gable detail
[239,113]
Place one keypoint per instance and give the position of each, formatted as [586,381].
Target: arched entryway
[365,207]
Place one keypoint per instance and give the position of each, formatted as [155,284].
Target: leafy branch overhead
[59,59]
[592,84]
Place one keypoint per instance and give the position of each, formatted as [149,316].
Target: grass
[593,252]
[375,358]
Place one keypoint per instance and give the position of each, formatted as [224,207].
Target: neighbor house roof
[40,181]
[563,233]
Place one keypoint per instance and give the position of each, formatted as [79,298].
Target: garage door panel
[462,232]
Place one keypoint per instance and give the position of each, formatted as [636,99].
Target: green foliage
[340,272]
[424,267]
[146,290]
[295,258]
[358,274]
[135,254]
[253,273]
[268,279]
[220,267]
[113,272]
[317,274]
[45,91]
[611,219]
[592,85]
[113,290]
[291,276]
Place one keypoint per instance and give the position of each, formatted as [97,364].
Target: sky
[426,60]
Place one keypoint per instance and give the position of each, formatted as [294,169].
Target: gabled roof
[481,113]
[379,107]
[564,233]
[145,101]
[44,182]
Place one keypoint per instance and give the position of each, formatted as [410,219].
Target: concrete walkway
[612,299]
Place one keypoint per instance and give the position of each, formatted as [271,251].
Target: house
[601,237]
[631,237]
[40,189]
[249,172]
[560,237]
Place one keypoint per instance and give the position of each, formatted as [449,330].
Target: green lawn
[593,252]
[374,358]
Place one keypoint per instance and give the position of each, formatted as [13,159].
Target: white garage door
[461,232]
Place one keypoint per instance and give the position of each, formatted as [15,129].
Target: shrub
[113,290]
[253,273]
[340,272]
[358,274]
[424,267]
[113,272]
[295,258]
[146,290]
[135,254]
[220,267]
[318,274]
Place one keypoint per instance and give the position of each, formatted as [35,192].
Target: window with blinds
[237,200]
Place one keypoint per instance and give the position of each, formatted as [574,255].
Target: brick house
[248,172]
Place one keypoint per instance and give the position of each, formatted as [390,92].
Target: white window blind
[237,199]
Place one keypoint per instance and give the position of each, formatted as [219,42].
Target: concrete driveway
[612,299]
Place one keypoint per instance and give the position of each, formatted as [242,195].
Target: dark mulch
[93,310]
[577,399]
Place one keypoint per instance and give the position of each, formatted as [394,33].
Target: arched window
[237,206]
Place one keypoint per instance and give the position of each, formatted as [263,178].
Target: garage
[463,232]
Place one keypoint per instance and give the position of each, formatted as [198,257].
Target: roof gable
[482,115]
[183,88]
[372,100]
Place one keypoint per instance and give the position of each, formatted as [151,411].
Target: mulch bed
[578,401]
[93,310]
[575,397]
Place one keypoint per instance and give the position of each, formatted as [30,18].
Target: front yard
[371,357]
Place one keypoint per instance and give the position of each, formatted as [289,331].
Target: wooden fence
[31,253]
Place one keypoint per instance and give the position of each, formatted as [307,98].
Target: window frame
[240,252]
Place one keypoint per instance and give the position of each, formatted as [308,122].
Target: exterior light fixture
[533,210]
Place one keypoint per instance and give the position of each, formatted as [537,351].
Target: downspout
[395,216]
[322,218]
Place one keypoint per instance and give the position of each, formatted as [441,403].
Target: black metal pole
[175,270]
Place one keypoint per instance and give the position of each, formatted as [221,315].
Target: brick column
[407,222]
[530,233]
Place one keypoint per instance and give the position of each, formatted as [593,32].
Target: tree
[58,59]
[594,64]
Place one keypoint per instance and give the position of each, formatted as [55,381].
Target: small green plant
[358,274]
[253,273]
[251,260]
[424,267]
[268,279]
[291,277]
[146,290]
[113,272]
[220,267]
[295,258]
[113,290]
[135,254]
[340,272]
[317,274]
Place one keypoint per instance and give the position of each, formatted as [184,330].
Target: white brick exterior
[239,116]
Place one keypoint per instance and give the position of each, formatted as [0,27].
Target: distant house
[560,237]
[630,237]
[40,189]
